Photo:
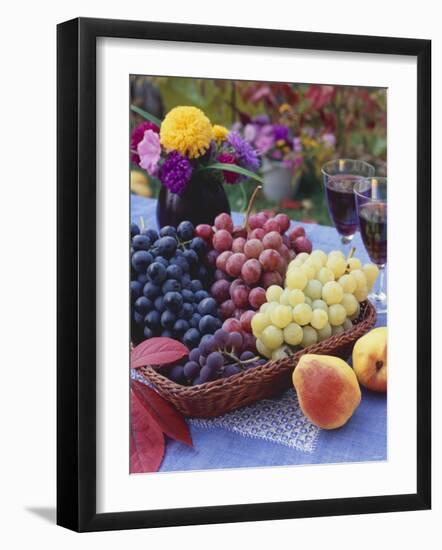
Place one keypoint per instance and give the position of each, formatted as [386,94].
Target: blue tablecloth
[229,444]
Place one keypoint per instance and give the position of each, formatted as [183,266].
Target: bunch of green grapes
[321,298]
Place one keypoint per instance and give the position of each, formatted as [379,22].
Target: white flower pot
[279,181]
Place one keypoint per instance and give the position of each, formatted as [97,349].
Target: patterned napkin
[279,420]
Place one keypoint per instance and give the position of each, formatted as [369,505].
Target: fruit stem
[231,355]
[249,208]
[351,253]
[237,359]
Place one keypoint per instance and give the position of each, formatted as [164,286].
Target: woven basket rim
[338,340]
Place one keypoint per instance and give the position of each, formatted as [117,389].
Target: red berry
[283,221]
[298,231]
[249,342]
[235,263]
[257,233]
[211,257]
[234,284]
[272,240]
[253,248]
[271,278]
[239,231]
[302,244]
[251,271]
[284,251]
[222,259]
[224,221]
[238,244]
[240,296]
[270,259]
[220,290]
[227,309]
[222,240]
[246,319]
[282,266]
[255,221]
[257,297]
[232,325]
[204,231]
[272,225]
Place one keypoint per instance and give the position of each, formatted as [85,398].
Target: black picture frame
[76,273]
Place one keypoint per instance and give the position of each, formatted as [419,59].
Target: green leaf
[379,146]
[146,115]
[233,168]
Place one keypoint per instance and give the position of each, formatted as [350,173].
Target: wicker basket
[225,394]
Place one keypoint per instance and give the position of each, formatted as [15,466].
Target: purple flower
[280,132]
[261,119]
[264,142]
[329,140]
[149,151]
[244,152]
[137,136]
[176,172]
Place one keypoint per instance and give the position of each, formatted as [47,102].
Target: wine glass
[371,206]
[340,176]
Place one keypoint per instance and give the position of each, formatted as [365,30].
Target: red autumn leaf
[157,351]
[146,439]
[165,415]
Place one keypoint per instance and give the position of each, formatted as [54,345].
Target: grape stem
[249,208]
[351,253]
[237,359]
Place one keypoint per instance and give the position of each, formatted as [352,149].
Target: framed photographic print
[233,299]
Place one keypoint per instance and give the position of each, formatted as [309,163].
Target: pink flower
[228,158]
[149,151]
[249,132]
[265,140]
[329,140]
[297,145]
[137,136]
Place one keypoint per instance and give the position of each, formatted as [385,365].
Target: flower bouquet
[192,159]
[282,158]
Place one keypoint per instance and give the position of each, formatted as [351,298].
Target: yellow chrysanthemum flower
[220,133]
[284,107]
[186,130]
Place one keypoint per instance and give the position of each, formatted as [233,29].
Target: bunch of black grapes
[220,355]
[169,283]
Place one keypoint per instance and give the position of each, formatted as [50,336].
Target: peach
[327,389]
[370,359]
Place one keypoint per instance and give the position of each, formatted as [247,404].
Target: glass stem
[380,295]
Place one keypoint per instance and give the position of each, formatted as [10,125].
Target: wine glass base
[346,239]
[379,300]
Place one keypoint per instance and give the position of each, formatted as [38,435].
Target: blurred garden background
[296,128]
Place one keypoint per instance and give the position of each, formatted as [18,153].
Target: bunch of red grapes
[247,260]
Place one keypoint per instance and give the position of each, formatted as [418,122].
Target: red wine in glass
[373,227]
[341,203]
[371,205]
[340,177]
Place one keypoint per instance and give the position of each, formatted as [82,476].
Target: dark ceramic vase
[203,199]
